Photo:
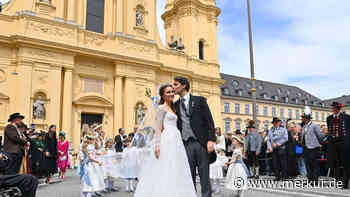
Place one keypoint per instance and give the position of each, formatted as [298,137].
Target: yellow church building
[69,62]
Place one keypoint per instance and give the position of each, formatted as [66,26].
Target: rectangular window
[237,108]
[247,108]
[274,112]
[257,110]
[282,113]
[238,125]
[290,113]
[297,115]
[266,112]
[316,114]
[93,85]
[322,116]
[227,107]
[227,125]
[95,15]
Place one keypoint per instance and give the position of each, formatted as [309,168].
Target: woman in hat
[37,151]
[62,150]
[237,175]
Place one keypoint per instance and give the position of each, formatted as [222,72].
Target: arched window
[201,50]
[95,12]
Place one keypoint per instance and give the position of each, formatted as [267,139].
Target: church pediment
[93,100]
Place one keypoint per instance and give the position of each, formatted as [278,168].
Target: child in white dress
[216,169]
[90,181]
[110,166]
[237,174]
[129,165]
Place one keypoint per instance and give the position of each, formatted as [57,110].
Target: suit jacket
[13,142]
[118,143]
[345,126]
[201,120]
[312,135]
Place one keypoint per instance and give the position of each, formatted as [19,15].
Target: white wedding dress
[168,176]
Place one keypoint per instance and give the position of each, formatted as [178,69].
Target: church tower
[193,23]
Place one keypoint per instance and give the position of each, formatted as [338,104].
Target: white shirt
[221,142]
[186,99]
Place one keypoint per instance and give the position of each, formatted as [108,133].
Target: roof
[236,86]
[345,100]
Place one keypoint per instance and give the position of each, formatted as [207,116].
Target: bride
[167,172]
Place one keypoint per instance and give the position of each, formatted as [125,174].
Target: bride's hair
[161,94]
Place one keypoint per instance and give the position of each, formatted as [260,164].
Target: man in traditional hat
[276,143]
[339,143]
[14,142]
[252,146]
[311,139]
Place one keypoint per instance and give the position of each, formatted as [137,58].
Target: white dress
[169,175]
[96,181]
[111,165]
[216,168]
[129,163]
[236,178]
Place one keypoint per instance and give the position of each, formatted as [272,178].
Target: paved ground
[70,188]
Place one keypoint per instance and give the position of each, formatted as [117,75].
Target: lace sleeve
[159,123]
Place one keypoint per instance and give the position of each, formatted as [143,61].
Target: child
[90,181]
[238,173]
[129,165]
[216,169]
[110,166]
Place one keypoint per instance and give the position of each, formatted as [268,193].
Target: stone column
[55,94]
[60,10]
[129,95]
[119,16]
[67,104]
[71,13]
[118,104]
[24,90]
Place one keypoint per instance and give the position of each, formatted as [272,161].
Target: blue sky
[305,43]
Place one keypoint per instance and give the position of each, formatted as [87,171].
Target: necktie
[182,100]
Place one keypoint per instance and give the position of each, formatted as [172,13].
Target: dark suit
[14,146]
[118,143]
[338,147]
[202,125]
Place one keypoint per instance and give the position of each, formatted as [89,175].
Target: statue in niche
[139,18]
[39,108]
[140,114]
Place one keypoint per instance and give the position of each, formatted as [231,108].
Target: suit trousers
[279,159]
[312,163]
[198,159]
[16,162]
[26,183]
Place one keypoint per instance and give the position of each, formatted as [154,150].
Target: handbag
[64,158]
[298,150]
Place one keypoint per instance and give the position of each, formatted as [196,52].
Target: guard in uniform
[252,145]
[311,139]
[339,143]
[276,143]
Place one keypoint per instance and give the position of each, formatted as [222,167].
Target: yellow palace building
[69,62]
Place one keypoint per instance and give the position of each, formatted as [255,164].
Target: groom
[197,130]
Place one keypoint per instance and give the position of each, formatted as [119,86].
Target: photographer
[27,184]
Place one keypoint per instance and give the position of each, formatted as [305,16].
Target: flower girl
[237,174]
[129,165]
[216,169]
[110,166]
[90,181]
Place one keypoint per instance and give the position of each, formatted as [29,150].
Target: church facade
[83,61]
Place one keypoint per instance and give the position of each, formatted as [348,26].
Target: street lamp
[252,74]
